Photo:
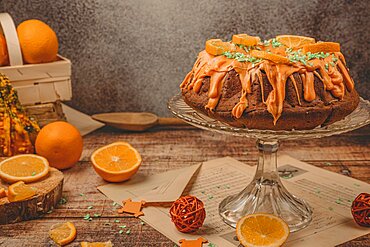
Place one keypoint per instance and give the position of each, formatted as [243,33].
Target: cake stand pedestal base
[266,194]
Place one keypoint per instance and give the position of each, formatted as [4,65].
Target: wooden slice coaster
[49,192]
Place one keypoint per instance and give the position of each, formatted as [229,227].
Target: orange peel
[20,191]
[294,41]
[245,39]
[321,47]
[217,47]
[63,233]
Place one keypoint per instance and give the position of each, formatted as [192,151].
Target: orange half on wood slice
[97,244]
[26,167]
[245,39]
[269,56]
[63,233]
[20,191]
[322,47]
[116,162]
[294,41]
[262,230]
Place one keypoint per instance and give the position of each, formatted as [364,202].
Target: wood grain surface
[162,150]
[48,194]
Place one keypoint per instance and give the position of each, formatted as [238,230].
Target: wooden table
[163,150]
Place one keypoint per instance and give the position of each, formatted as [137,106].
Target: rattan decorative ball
[361,209]
[188,213]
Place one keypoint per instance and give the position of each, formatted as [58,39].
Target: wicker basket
[35,83]
[46,113]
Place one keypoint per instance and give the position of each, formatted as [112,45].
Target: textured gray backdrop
[131,55]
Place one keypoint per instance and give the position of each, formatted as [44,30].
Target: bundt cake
[289,82]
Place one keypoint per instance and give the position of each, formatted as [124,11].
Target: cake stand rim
[318,132]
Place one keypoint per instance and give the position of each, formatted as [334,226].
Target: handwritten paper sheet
[329,194]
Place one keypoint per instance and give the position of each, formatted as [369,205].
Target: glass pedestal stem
[266,194]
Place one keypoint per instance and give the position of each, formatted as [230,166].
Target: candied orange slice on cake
[322,47]
[294,41]
[245,39]
[217,47]
[116,162]
[96,244]
[20,191]
[262,230]
[26,167]
[269,56]
[63,233]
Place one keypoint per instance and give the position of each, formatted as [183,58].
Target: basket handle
[11,37]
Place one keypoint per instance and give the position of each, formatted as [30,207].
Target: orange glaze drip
[296,88]
[277,74]
[217,68]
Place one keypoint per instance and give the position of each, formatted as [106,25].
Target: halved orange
[322,47]
[217,47]
[26,167]
[294,41]
[245,39]
[116,162]
[269,56]
[3,193]
[63,233]
[262,230]
[96,244]
[20,191]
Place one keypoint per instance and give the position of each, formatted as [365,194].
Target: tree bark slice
[49,192]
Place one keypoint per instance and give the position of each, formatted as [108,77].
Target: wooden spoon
[135,121]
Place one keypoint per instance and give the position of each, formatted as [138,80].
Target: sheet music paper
[329,194]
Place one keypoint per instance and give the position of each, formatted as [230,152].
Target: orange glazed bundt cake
[289,82]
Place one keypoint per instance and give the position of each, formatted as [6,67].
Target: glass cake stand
[266,193]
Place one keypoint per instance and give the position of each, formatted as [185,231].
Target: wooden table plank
[163,150]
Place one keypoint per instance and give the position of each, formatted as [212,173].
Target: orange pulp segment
[63,233]
[245,39]
[294,41]
[269,56]
[116,162]
[322,47]
[262,230]
[26,167]
[20,191]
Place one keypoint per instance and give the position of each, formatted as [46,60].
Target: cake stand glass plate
[266,193]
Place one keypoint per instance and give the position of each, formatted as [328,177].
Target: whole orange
[39,43]
[60,143]
[4,57]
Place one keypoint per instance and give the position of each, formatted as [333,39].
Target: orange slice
[217,47]
[20,191]
[269,56]
[262,230]
[322,47]
[27,168]
[63,233]
[245,39]
[97,244]
[3,193]
[294,41]
[116,162]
